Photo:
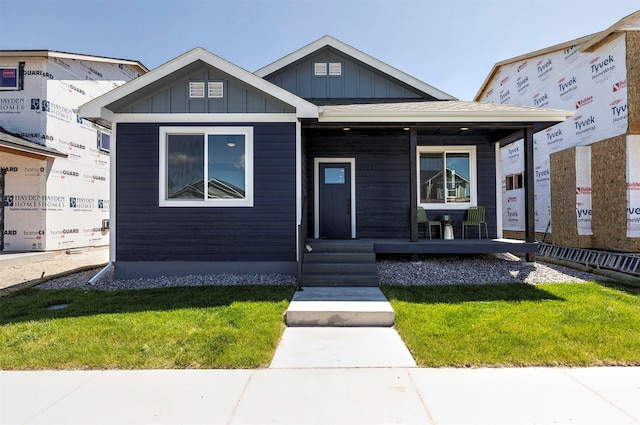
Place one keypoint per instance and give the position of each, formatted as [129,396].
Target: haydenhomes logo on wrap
[12,105]
[602,68]
[34,202]
[619,113]
[81,203]
[544,67]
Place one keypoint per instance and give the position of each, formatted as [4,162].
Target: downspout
[112,209]
[101,273]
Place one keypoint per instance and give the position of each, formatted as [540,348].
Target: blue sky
[449,44]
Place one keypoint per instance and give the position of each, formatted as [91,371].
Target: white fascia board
[201,118]
[357,54]
[73,56]
[304,109]
[465,117]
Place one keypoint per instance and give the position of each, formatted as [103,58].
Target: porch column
[413,183]
[529,191]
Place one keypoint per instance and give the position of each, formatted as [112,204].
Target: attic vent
[216,89]
[196,89]
[335,68]
[320,68]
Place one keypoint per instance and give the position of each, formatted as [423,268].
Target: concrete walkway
[325,375]
[323,396]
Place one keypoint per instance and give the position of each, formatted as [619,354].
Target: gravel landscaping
[399,271]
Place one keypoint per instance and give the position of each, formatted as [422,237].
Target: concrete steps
[340,307]
[339,264]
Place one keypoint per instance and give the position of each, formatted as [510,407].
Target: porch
[455,246]
[352,262]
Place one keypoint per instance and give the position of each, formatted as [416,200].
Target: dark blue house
[216,169]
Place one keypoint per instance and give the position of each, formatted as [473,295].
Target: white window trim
[471,150]
[247,132]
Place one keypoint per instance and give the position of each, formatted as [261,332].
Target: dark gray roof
[21,145]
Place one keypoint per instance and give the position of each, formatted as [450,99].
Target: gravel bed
[398,271]
[476,270]
[108,283]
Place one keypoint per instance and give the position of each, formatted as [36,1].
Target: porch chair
[475,217]
[423,219]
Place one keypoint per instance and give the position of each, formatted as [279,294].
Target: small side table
[448,227]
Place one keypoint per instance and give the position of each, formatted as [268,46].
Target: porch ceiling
[494,132]
[503,123]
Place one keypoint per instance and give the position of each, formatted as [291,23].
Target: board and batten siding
[356,80]
[172,96]
[383,179]
[264,232]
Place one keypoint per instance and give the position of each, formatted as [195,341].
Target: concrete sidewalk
[607,395]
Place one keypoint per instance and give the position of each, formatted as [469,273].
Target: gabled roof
[98,109]
[65,55]
[587,43]
[20,146]
[358,55]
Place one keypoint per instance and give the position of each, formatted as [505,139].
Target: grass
[202,327]
[519,324]
[239,327]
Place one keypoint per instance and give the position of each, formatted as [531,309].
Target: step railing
[624,262]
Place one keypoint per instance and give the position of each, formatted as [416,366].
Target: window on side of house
[220,156]
[514,181]
[447,177]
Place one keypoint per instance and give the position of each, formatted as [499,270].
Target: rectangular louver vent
[196,89]
[335,68]
[320,68]
[216,89]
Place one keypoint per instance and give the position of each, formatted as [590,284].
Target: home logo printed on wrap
[619,113]
[544,68]
[567,87]
[602,69]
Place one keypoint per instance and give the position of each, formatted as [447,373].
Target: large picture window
[220,156]
[447,176]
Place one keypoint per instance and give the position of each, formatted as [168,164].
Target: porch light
[346,129]
[406,129]
[464,128]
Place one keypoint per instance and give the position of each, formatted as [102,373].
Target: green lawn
[518,324]
[202,327]
[240,326]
